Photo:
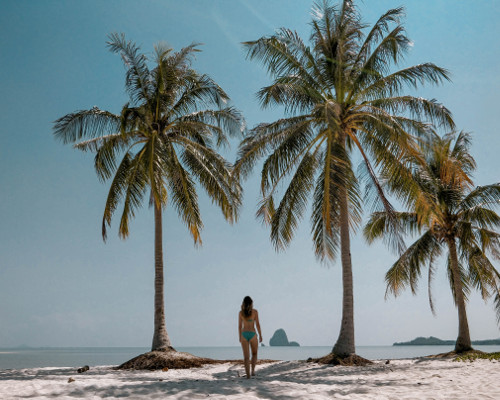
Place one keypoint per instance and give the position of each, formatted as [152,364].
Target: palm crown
[448,213]
[166,138]
[339,95]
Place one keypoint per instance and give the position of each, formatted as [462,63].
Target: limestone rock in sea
[280,339]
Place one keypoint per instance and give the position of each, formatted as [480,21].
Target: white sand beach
[400,379]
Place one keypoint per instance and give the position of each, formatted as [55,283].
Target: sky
[61,285]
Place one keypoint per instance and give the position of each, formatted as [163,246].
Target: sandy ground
[401,379]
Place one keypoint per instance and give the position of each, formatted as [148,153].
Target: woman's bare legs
[246,355]
[254,344]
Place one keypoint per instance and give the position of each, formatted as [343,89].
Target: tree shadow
[280,380]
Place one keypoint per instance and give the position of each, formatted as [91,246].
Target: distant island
[434,341]
[280,339]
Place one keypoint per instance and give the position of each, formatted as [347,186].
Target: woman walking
[248,320]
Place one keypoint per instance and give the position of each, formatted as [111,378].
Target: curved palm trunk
[345,342]
[161,341]
[463,340]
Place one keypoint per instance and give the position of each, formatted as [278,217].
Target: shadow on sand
[279,380]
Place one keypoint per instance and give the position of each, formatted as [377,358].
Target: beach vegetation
[447,215]
[343,96]
[162,142]
[477,355]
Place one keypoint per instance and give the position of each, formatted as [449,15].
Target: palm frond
[373,178]
[481,197]
[133,193]
[287,155]
[107,152]
[285,218]
[128,172]
[481,217]
[262,139]
[407,269]
[219,122]
[482,273]
[391,85]
[415,106]
[282,54]
[291,92]
[137,80]
[391,48]
[460,151]
[94,144]
[162,50]
[213,173]
[377,32]
[390,228]
[199,91]
[183,193]
[324,219]
[88,124]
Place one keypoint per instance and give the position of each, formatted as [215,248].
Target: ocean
[93,356]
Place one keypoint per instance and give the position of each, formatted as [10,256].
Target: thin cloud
[257,15]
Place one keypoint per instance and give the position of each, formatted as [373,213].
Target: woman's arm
[257,323]
[239,326]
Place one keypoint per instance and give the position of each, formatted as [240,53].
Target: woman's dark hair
[247,306]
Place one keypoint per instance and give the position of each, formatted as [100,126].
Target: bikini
[248,335]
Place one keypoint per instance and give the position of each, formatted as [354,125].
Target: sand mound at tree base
[173,359]
[334,359]
[165,358]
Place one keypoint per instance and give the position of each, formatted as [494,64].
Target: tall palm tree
[165,138]
[447,213]
[340,96]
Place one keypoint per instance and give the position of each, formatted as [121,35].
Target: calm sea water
[92,356]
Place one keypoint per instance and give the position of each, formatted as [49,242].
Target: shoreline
[92,356]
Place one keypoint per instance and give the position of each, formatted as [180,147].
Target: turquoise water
[92,356]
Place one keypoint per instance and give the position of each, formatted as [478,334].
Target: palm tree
[165,139]
[339,95]
[447,213]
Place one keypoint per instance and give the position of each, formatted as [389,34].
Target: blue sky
[60,285]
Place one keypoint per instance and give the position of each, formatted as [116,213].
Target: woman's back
[249,322]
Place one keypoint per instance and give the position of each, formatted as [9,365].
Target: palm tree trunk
[161,341]
[345,342]
[463,340]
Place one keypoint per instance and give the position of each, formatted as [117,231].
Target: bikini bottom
[248,335]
